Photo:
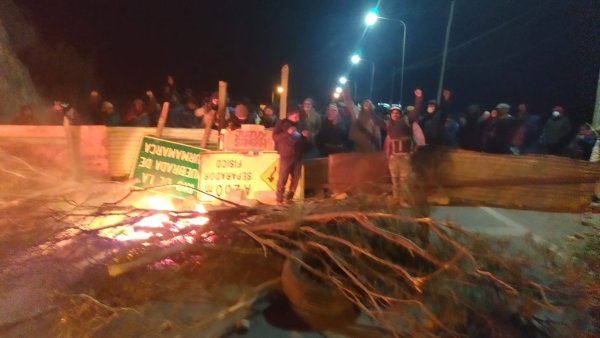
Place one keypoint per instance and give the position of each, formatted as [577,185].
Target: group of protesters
[344,127]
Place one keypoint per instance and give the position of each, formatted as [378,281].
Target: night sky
[541,52]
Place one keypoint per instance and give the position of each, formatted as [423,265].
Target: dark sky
[542,52]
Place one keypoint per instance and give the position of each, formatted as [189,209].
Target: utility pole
[445,54]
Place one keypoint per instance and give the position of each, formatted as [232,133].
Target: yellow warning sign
[271,174]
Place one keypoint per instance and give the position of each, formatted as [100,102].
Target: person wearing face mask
[556,132]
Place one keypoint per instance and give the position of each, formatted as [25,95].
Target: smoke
[16,85]
[36,72]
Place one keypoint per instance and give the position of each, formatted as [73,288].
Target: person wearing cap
[403,136]
[499,135]
[556,132]
[291,143]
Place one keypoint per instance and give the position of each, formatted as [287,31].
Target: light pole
[356,59]
[370,19]
[445,53]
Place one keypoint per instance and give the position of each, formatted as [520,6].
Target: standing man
[290,143]
[403,136]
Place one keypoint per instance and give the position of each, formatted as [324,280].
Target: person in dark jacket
[500,134]
[556,132]
[433,124]
[268,118]
[241,116]
[333,137]
[291,143]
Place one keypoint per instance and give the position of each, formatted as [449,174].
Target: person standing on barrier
[403,137]
[291,144]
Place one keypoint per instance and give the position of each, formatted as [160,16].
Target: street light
[343,80]
[338,90]
[279,91]
[370,19]
[356,59]
[336,96]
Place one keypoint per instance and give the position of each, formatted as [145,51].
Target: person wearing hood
[364,132]
[433,124]
[556,131]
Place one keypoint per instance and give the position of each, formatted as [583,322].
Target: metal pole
[402,67]
[393,84]
[445,54]
[372,79]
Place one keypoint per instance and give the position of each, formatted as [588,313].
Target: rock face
[16,86]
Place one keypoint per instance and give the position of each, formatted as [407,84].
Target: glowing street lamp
[338,90]
[371,17]
[343,80]
[336,96]
[279,89]
[356,59]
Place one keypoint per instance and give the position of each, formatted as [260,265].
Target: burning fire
[158,223]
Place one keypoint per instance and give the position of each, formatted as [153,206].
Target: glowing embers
[157,221]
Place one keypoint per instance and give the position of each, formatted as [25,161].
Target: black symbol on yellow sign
[270,175]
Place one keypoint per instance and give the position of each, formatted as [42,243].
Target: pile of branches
[359,267]
[341,263]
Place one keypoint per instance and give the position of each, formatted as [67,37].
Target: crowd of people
[346,127]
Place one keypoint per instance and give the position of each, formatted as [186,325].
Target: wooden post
[222,103]
[285,72]
[162,120]
[596,119]
[71,148]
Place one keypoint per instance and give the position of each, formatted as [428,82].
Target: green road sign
[162,162]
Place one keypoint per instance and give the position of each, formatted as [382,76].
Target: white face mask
[555,113]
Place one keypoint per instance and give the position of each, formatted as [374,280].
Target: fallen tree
[358,267]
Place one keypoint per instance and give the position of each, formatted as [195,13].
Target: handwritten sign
[248,138]
[163,163]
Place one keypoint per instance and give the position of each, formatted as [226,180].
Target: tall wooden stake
[285,72]
[596,120]
[72,148]
[162,120]
[209,118]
